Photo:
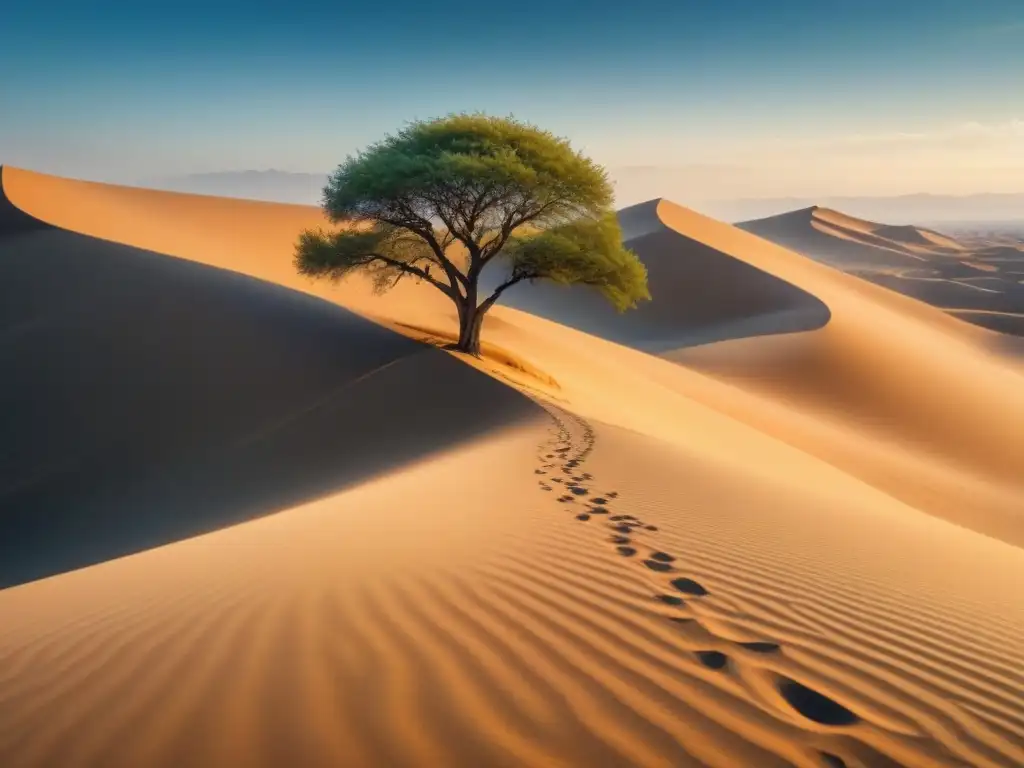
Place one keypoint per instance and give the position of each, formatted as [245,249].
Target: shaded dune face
[699,295]
[12,218]
[146,399]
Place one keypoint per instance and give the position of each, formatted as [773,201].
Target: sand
[624,556]
[974,276]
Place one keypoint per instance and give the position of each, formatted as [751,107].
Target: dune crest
[976,278]
[698,564]
[862,390]
[850,242]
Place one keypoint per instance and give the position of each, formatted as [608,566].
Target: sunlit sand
[773,517]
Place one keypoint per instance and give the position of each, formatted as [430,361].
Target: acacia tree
[442,200]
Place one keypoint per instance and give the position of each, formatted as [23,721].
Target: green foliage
[456,193]
[383,253]
[472,172]
[583,252]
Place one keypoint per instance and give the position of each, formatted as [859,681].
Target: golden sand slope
[653,579]
[254,238]
[891,390]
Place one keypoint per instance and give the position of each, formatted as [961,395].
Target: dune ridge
[861,391]
[664,570]
[698,296]
[971,277]
[847,241]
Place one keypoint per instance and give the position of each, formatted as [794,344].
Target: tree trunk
[471,320]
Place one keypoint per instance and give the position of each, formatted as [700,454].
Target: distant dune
[773,518]
[842,240]
[977,278]
[931,209]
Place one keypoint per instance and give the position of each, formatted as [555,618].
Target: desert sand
[975,277]
[775,517]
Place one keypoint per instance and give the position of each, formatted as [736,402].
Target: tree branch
[414,270]
[515,278]
[426,232]
[510,225]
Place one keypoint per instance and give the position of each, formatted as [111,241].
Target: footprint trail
[677,596]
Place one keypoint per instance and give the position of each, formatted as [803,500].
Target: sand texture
[774,518]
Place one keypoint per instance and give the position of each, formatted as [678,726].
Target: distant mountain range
[306,189]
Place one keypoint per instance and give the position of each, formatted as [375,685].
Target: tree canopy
[463,191]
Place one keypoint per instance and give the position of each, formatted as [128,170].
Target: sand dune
[674,566]
[697,295]
[134,426]
[838,239]
[972,278]
[862,392]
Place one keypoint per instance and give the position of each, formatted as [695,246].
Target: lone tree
[443,199]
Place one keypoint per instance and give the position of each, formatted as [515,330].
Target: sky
[715,98]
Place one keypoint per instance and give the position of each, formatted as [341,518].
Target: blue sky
[738,97]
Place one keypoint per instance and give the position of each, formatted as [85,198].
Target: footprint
[670,600]
[654,565]
[613,494]
[664,557]
[580,491]
[814,705]
[622,528]
[620,540]
[832,761]
[597,511]
[623,517]
[689,587]
[583,516]
[599,500]
[712,659]
[626,551]
[760,647]
[651,527]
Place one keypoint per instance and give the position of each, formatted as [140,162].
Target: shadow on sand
[146,399]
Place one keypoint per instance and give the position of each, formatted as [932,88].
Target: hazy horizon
[919,208]
[736,99]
